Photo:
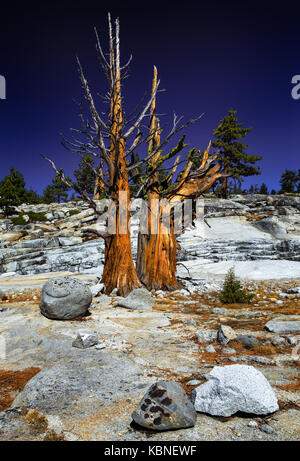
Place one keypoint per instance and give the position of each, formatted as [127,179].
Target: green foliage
[57,191]
[273,192]
[263,189]
[18,220]
[32,215]
[36,216]
[288,181]
[85,175]
[233,291]
[73,212]
[233,157]
[32,197]
[12,192]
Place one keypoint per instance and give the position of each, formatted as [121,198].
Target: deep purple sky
[210,55]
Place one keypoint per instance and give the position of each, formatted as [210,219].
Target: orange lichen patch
[22,296]
[12,382]
[262,350]
[37,421]
[293,386]
[183,382]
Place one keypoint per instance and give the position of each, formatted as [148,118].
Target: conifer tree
[263,189]
[288,181]
[12,191]
[85,175]
[233,157]
[57,191]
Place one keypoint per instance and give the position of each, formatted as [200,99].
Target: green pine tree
[263,189]
[233,291]
[288,181]
[233,157]
[12,191]
[57,191]
[84,175]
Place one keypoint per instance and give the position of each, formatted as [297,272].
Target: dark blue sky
[210,56]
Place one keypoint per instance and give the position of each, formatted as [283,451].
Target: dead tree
[156,256]
[112,141]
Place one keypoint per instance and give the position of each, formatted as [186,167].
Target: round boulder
[65,298]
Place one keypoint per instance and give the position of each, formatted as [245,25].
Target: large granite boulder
[65,298]
[234,388]
[164,407]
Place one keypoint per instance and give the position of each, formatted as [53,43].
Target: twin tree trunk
[156,255]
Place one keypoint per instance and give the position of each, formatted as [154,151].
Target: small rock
[207,336]
[225,334]
[165,406]
[190,322]
[228,351]
[193,382]
[210,348]
[100,346]
[278,341]
[267,429]
[234,388]
[139,299]
[248,341]
[293,340]
[85,340]
[252,424]
[219,311]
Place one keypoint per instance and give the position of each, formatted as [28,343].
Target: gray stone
[164,407]
[57,389]
[278,341]
[193,382]
[283,326]
[252,424]
[139,299]
[272,226]
[234,388]
[85,340]
[267,429]
[294,290]
[228,351]
[65,298]
[220,311]
[248,341]
[210,348]
[207,336]
[225,334]
[253,358]
[293,340]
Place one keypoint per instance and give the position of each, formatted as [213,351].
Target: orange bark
[119,270]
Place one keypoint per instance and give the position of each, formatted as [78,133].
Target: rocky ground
[90,394]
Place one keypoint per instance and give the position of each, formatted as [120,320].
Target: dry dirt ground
[141,347]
